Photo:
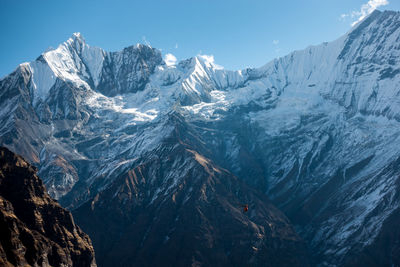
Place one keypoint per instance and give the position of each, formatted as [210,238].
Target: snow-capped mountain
[316,131]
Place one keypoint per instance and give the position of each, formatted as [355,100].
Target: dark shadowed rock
[175,207]
[128,71]
[34,229]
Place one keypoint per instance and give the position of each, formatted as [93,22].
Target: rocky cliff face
[35,229]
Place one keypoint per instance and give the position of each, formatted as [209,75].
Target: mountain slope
[174,207]
[36,230]
[324,149]
[316,130]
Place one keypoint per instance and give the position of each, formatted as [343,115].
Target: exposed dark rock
[177,208]
[128,71]
[34,229]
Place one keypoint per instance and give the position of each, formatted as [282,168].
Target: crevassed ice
[93,58]
[43,79]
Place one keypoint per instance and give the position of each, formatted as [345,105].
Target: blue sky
[245,33]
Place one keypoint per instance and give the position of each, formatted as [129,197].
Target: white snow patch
[119,104]
[43,79]
[93,58]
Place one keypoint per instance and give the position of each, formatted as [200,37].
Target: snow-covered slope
[316,130]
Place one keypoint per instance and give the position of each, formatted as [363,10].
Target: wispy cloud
[170,59]
[364,11]
[343,17]
[176,46]
[276,44]
[209,59]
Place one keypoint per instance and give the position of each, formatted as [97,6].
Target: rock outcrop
[34,229]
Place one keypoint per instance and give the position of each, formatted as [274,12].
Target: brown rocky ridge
[34,229]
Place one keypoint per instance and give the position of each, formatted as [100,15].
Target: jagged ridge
[316,130]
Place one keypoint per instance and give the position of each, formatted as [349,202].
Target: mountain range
[155,160]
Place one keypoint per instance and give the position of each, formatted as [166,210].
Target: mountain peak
[77,36]
[377,16]
[76,41]
[316,130]
[202,61]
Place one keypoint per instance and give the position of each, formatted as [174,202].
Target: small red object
[245,208]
